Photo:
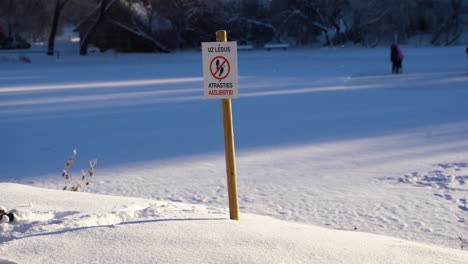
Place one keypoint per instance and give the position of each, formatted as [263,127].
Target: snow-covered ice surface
[134,230]
[325,137]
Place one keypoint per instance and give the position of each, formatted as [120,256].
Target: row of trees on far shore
[179,24]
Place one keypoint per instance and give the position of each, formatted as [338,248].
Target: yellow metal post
[221,36]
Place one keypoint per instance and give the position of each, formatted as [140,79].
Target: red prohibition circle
[222,64]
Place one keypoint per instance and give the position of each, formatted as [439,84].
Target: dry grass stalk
[86,177]
[65,174]
[462,241]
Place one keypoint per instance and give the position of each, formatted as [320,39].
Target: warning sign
[220,69]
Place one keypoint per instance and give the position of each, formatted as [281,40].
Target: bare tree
[177,24]
[449,23]
[25,17]
[104,6]
[10,11]
[305,18]
[364,22]
[179,13]
[139,22]
[59,5]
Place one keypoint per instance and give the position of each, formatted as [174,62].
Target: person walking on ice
[396,56]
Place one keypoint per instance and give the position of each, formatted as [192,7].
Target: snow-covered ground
[74,228]
[326,137]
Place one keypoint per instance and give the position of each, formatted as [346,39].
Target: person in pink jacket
[396,57]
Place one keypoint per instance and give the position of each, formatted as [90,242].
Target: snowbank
[65,227]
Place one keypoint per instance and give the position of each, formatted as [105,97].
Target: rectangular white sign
[220,73]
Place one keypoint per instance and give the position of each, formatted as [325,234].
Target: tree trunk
[329,42]
[92,30]
[55,21]
[10,23]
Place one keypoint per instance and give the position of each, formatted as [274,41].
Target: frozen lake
[324,136]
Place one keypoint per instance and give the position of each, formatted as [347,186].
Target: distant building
[127,26]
